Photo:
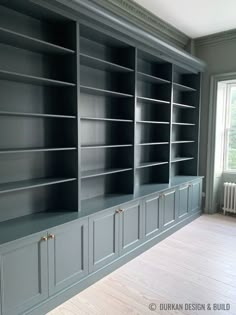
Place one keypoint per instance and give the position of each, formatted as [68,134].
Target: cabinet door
[169,202]
[103,238]
[67,255]
[131,227]
[24,274]
[184,201]
[152,216]
[196,196]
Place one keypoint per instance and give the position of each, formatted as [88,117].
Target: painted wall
[218,51]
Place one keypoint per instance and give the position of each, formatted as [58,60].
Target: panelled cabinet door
[131,227]
[103,238]
[152,216]
[169,201]
[24,274]
[67,255]
[184,201]
[196,196]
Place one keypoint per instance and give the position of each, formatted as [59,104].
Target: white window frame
[227,128]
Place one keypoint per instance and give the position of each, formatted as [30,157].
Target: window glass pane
[233,107]
[232,150]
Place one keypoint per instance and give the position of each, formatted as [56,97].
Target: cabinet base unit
[99,146]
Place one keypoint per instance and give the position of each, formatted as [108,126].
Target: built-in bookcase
[87,121]
[38,112]
[107,85]
[153,115]
[185,121]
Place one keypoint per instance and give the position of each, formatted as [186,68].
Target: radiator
[229,197]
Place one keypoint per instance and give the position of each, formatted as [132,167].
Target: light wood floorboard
[197,264]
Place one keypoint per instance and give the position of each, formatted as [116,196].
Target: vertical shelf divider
[171,119]
[135,116]
[78,113]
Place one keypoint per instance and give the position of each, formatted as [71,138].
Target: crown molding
[143,18]
[215,39]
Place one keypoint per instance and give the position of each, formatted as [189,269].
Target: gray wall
[219,52]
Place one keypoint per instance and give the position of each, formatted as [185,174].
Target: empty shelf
[10,151]
[181,159]
[95,91]
[153,122]
[183,105]
[152,100]
[101,172]
[16,39]
[105,146]
[150,164]
[152,143]
[184,141]
[36,115]
[152,79]
[184,88]
[25,78]
[106,119]
[102,64]
[182,124]
[33,183]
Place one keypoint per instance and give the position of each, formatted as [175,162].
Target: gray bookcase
[87,120]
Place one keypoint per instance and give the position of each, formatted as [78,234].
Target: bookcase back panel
[106,133]
[25,166]
[152,175]
[55,198]
[152,154]
[28,132]
[107,158]
[147,133]
[152,112]
[27,98]
[97,106]
[120,183]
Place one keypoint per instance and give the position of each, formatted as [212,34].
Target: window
[229,122]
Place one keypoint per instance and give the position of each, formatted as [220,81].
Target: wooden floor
[197,264]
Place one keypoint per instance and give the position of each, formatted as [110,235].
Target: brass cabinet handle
[117,211]
[121,210]
[44,239]
[51,236]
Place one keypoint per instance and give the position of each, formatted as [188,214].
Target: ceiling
[195,18]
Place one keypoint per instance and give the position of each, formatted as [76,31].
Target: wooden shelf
[106,119]
[95,91]
[183,88]
[183,105]
[184,141]
[10,151]
[181,159]
[36,115]
[152,100]
[101,172]
[105,146]
[153,143]
[19,40]
[152,79]
[153,122]
[151,164]
[18,77]
[102,64]
[33,183]
[182,124]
